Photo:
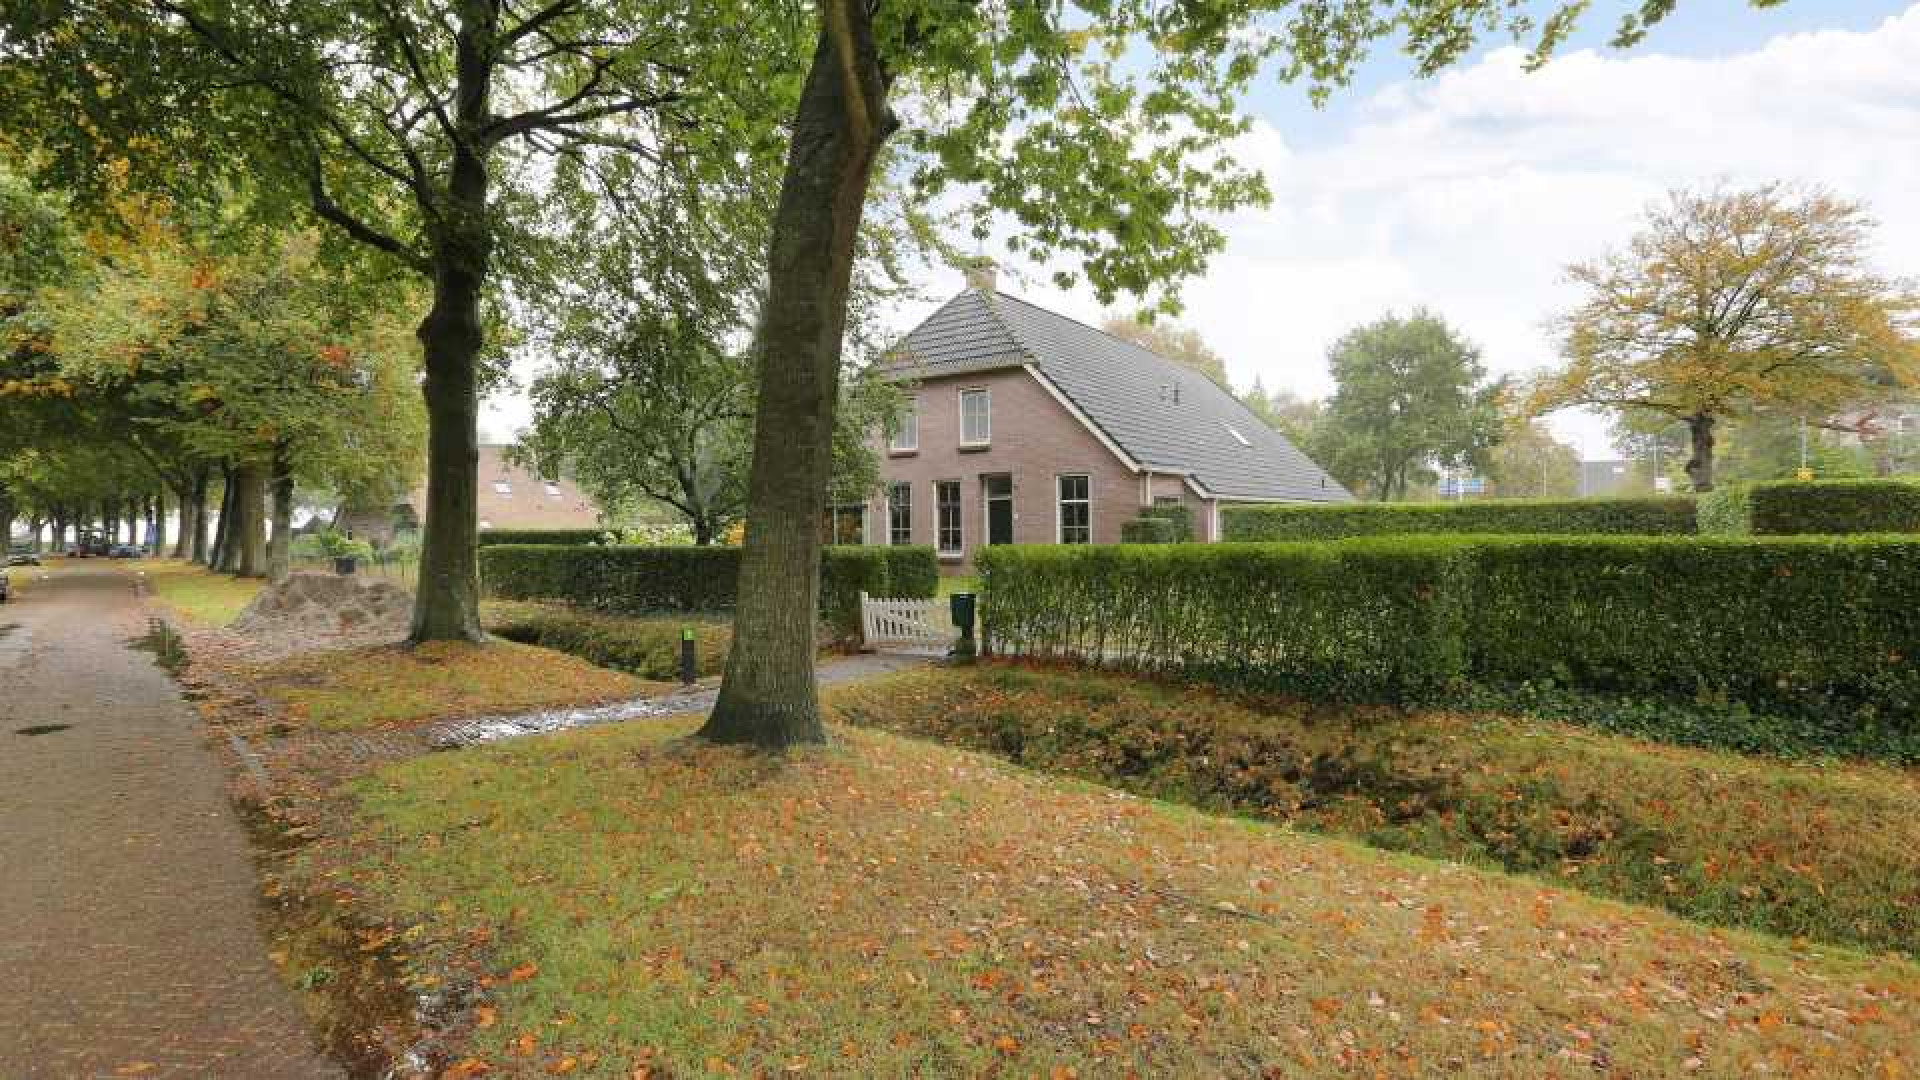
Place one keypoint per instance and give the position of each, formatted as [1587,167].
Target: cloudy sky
[1468,193]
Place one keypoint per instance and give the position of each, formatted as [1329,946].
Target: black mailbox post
[960,605]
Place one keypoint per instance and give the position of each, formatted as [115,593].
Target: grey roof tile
[1128,392]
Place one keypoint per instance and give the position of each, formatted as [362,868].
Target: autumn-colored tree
[1730,301]
[1181,344]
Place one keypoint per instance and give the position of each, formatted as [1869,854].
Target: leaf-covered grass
[1825,851]
[644,645]
[627,903]
[196,593]
[393,685]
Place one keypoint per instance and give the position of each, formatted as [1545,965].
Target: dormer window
[976,417]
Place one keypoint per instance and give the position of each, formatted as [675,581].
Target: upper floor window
[502,487]
[553,488]
[1076,511]
[900,514]
[906,430]
[976,417]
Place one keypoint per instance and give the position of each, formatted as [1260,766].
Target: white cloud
[1469,193]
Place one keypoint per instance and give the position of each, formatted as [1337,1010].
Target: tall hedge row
[1653,516]
[1820,625]
[1827,507]
[494,537]
[651,579]
[1342,621]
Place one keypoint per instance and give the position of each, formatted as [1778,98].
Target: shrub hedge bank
[495,537]
[641,580]
[1831,507]
[1823,626]
[1662,515]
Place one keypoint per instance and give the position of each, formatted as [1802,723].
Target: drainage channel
[485,729]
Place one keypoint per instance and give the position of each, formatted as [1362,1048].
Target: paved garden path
[128,940]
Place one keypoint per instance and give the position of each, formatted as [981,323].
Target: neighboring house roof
[511,497]
[1125,392]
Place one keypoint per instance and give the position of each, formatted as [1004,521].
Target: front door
[998,489]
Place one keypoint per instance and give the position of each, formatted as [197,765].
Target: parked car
[23,558]
[124,551]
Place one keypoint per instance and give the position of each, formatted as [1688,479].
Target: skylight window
[1237,437]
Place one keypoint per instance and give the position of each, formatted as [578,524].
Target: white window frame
[503,487]
[906,434]
[986,395]
[553,489]
[959,548]
[895,537]
[1060,502]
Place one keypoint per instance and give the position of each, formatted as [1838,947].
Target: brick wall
[1035,439]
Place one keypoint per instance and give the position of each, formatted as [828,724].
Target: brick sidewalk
[128,937]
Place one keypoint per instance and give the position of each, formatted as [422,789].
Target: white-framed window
[502,487]
[900,513]
[906,430]
[947,502]
[976,417]
[845,523]
[553,489]
[1076,509]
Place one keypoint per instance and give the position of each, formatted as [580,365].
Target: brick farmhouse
[1029,427]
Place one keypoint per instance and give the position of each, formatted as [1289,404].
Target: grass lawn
[194,592]
[391,685]
[1824,850]
[624,903]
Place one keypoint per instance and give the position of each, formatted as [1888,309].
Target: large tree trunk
[248,539]
[1700,466]
[219,557]
[280,547]
[447,599]
[768,697]
[156,523]
[198,499]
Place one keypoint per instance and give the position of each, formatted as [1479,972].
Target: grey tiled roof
[1125,390]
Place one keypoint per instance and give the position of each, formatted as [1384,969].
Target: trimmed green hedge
[495,537]
[1345,622]
[641,580]
[1146,530]
[1655,516]
[1824,627]
[1826,507]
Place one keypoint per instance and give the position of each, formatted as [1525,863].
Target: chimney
[981,274]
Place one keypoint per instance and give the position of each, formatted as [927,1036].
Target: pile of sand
[328,605]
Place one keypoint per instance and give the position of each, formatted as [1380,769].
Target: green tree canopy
[1410,395]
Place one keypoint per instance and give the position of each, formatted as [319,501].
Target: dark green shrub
[1834,507]
[1663,515]
[492,537]
[1356,621]
[641,580]
[647,647]
[913,572]
[1146,530]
